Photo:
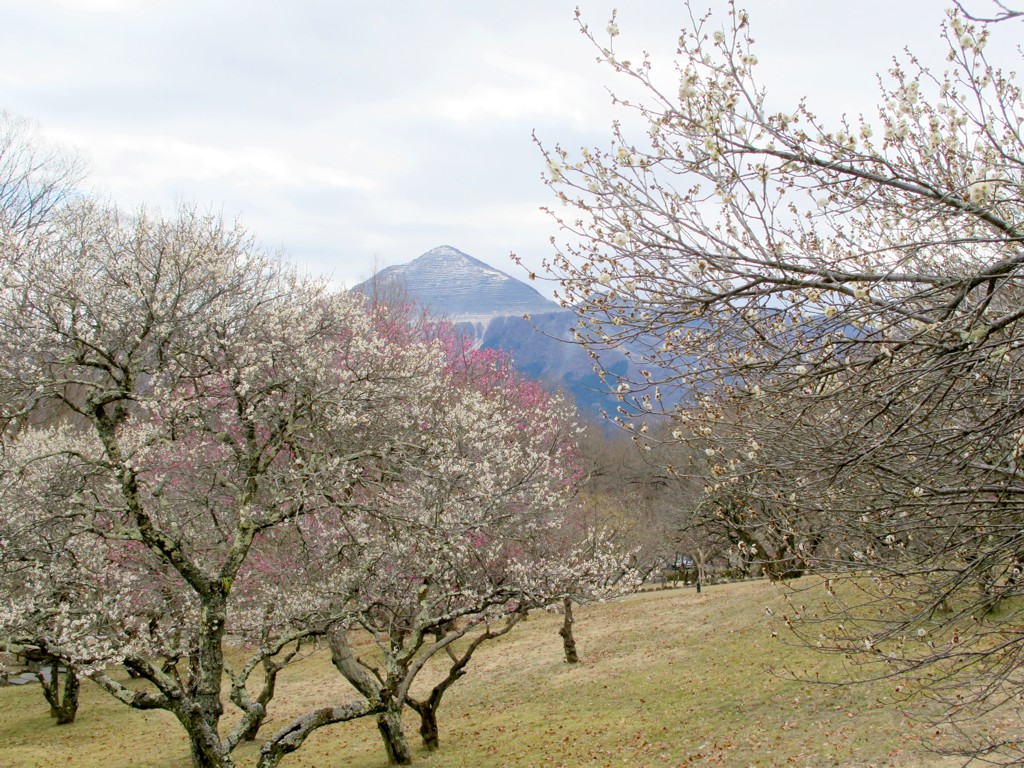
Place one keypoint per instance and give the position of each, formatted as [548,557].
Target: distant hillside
[541,351]
[487,306]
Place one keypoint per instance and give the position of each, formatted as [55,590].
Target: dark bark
[207,748]
[272,658]
[389,723]
[63,703]
[201,755]
[194,705]
[428,728]
[568,639]
[270,671]
[197,705]
[201,714]
[427,708]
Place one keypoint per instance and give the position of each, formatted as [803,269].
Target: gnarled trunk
[389,723]
[63,703]
[270,671]
[197,704]
[249,734]
[202,755]
[427,708]
[202,714]
[428,728]
[200,720]
[198,716]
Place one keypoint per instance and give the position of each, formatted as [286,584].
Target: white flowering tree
[461,533]
[36,179]
[175,404]
[199,446]
[843,303]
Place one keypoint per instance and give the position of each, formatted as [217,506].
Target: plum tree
[843,304]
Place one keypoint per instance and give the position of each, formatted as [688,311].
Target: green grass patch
[667,678]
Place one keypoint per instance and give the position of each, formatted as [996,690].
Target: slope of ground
[668,678]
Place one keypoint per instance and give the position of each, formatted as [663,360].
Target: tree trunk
[389,723]
[427,708]
[249,734]
[201,757]
[270,670]
[702,566]
[350,668]
[63,704]
[568,639]
[206,670]
[428,727]
[207,748]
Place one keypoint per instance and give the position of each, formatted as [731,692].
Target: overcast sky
[354,134]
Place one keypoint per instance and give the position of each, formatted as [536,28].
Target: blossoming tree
[36,179]
[174,403]
[843,303]
[201,447]
[460,533]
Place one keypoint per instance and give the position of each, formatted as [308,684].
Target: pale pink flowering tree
[201,448]
[174,403]
[461,533]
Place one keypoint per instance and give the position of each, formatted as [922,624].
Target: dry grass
[668,678]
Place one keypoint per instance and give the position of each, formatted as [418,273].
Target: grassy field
[667,678]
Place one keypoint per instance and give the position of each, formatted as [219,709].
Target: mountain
[487,305]
[455,286]
[541,349]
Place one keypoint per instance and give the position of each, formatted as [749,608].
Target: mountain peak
[449,257]
[447,252]
[459,287]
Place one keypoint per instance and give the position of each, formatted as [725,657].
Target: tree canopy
[843,305]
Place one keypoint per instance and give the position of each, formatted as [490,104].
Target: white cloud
[349,131]
[92,6]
